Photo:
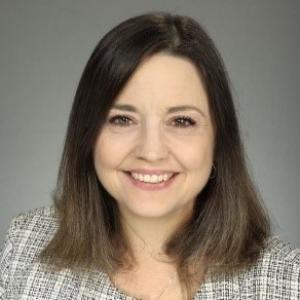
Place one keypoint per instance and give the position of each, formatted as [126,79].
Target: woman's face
[160,124]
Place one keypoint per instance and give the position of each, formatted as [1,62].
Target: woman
[153,198]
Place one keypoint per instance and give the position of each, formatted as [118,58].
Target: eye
[124,121]
[120,120]
[184,122]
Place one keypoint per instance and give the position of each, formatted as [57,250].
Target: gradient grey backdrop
[44,48]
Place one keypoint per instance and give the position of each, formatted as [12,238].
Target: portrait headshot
[150,150]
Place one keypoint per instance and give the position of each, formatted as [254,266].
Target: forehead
[164,80]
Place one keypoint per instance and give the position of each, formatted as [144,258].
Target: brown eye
[184,122]
[120,120]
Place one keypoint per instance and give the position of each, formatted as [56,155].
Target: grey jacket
[275,276]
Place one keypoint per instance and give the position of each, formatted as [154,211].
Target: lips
[151,172]
[148,186]
[154,177]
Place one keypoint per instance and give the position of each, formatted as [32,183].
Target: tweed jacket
[275,276]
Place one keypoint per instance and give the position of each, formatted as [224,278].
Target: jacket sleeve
[6,262]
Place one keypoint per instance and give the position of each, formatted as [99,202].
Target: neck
[147,236]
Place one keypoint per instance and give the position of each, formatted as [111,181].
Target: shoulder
[276,273]
[282,251]
[33,217]
[27,235]
[279,255]
[22,274]
[37,219]
[29,232]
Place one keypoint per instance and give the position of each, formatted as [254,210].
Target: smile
[151,182]
[151,178]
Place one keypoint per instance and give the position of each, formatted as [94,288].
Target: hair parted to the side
[230,224]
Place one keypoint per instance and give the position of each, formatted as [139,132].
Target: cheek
[109,151]
[105,161]
[197,159]
[196,154]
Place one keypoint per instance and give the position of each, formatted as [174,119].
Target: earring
[213,172]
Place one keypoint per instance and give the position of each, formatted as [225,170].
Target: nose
[151,145]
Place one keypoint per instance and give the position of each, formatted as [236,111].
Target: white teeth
[151,178]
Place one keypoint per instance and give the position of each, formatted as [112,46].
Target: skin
[150,139]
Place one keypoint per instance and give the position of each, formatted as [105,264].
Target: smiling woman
[154,143]
[153,197]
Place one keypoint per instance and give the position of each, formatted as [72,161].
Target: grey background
[45,45]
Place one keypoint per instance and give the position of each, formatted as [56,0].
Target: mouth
[151,178]
[154,183]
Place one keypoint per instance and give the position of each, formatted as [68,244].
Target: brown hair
[229,226]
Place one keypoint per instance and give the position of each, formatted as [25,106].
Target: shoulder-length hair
[229,225]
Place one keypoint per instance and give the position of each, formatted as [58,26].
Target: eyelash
[124,118]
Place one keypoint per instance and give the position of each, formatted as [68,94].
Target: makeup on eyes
[125,121]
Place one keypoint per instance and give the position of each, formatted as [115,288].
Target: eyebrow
[172,109]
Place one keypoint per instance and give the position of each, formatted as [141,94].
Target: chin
[150,210]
